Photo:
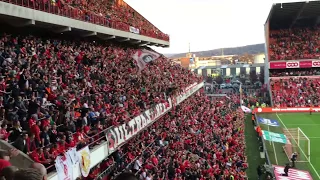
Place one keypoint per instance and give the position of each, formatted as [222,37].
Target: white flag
[245,109]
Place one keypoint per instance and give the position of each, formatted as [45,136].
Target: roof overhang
[294,14]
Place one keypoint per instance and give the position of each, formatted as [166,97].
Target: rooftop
[297,14]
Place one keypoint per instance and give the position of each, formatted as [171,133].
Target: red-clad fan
[38,156]
[4,134]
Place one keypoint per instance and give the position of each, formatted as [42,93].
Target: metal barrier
[21,160]
[88,16]
[265,150]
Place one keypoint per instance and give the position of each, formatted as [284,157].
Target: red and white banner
[274,110]
[294,64]
[85,161]
[294,174]
[143,57]
[64,167]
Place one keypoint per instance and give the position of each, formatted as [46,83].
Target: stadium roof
[297,14]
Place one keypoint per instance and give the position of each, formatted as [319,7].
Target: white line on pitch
[314,169]
[303,124]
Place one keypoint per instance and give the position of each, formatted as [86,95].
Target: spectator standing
[294,157]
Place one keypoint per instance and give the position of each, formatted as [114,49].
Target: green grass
[252,149]
[310,125]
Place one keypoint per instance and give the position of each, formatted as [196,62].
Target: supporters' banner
[295,64]
[189,91]
[64,167]
[134,30]
[85,161]
[143,57]
[274,110]
[245,109]
[294,174]
[73,154]
[275,137]
[117,136]
[270,122]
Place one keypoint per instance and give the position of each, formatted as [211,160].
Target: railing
[98,141]
[265,150]
[78,14]
[21,160]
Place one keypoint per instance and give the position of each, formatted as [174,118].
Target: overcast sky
[206,24]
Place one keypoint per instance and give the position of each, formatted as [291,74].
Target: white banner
[85,161]
[245,109]
[72,153]
[134,30]
[64,167]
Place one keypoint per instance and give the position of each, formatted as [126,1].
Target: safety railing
[264,149]
[82,15]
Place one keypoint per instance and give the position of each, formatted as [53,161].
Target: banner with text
[294,64]
[116,136]
[64,167]
[294,174]
[269,122]
[275,137]
[143,57]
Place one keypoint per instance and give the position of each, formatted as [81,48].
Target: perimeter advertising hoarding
[276,110]
[309,63]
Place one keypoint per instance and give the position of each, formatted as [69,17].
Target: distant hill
[250,49]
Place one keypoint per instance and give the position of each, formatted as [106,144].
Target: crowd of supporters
[55,94]
[295,92]
[115,14]
[295,43]
[294,72]
[198,139]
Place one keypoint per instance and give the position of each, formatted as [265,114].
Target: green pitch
[310,125]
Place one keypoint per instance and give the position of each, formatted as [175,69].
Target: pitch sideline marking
[314,169]
[303,124]
[275,153]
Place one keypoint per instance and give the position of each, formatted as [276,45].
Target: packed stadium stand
[198,143]
[114,14]
[294,44]
[92,104]
[293,51]
[58,93]
[61,93]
